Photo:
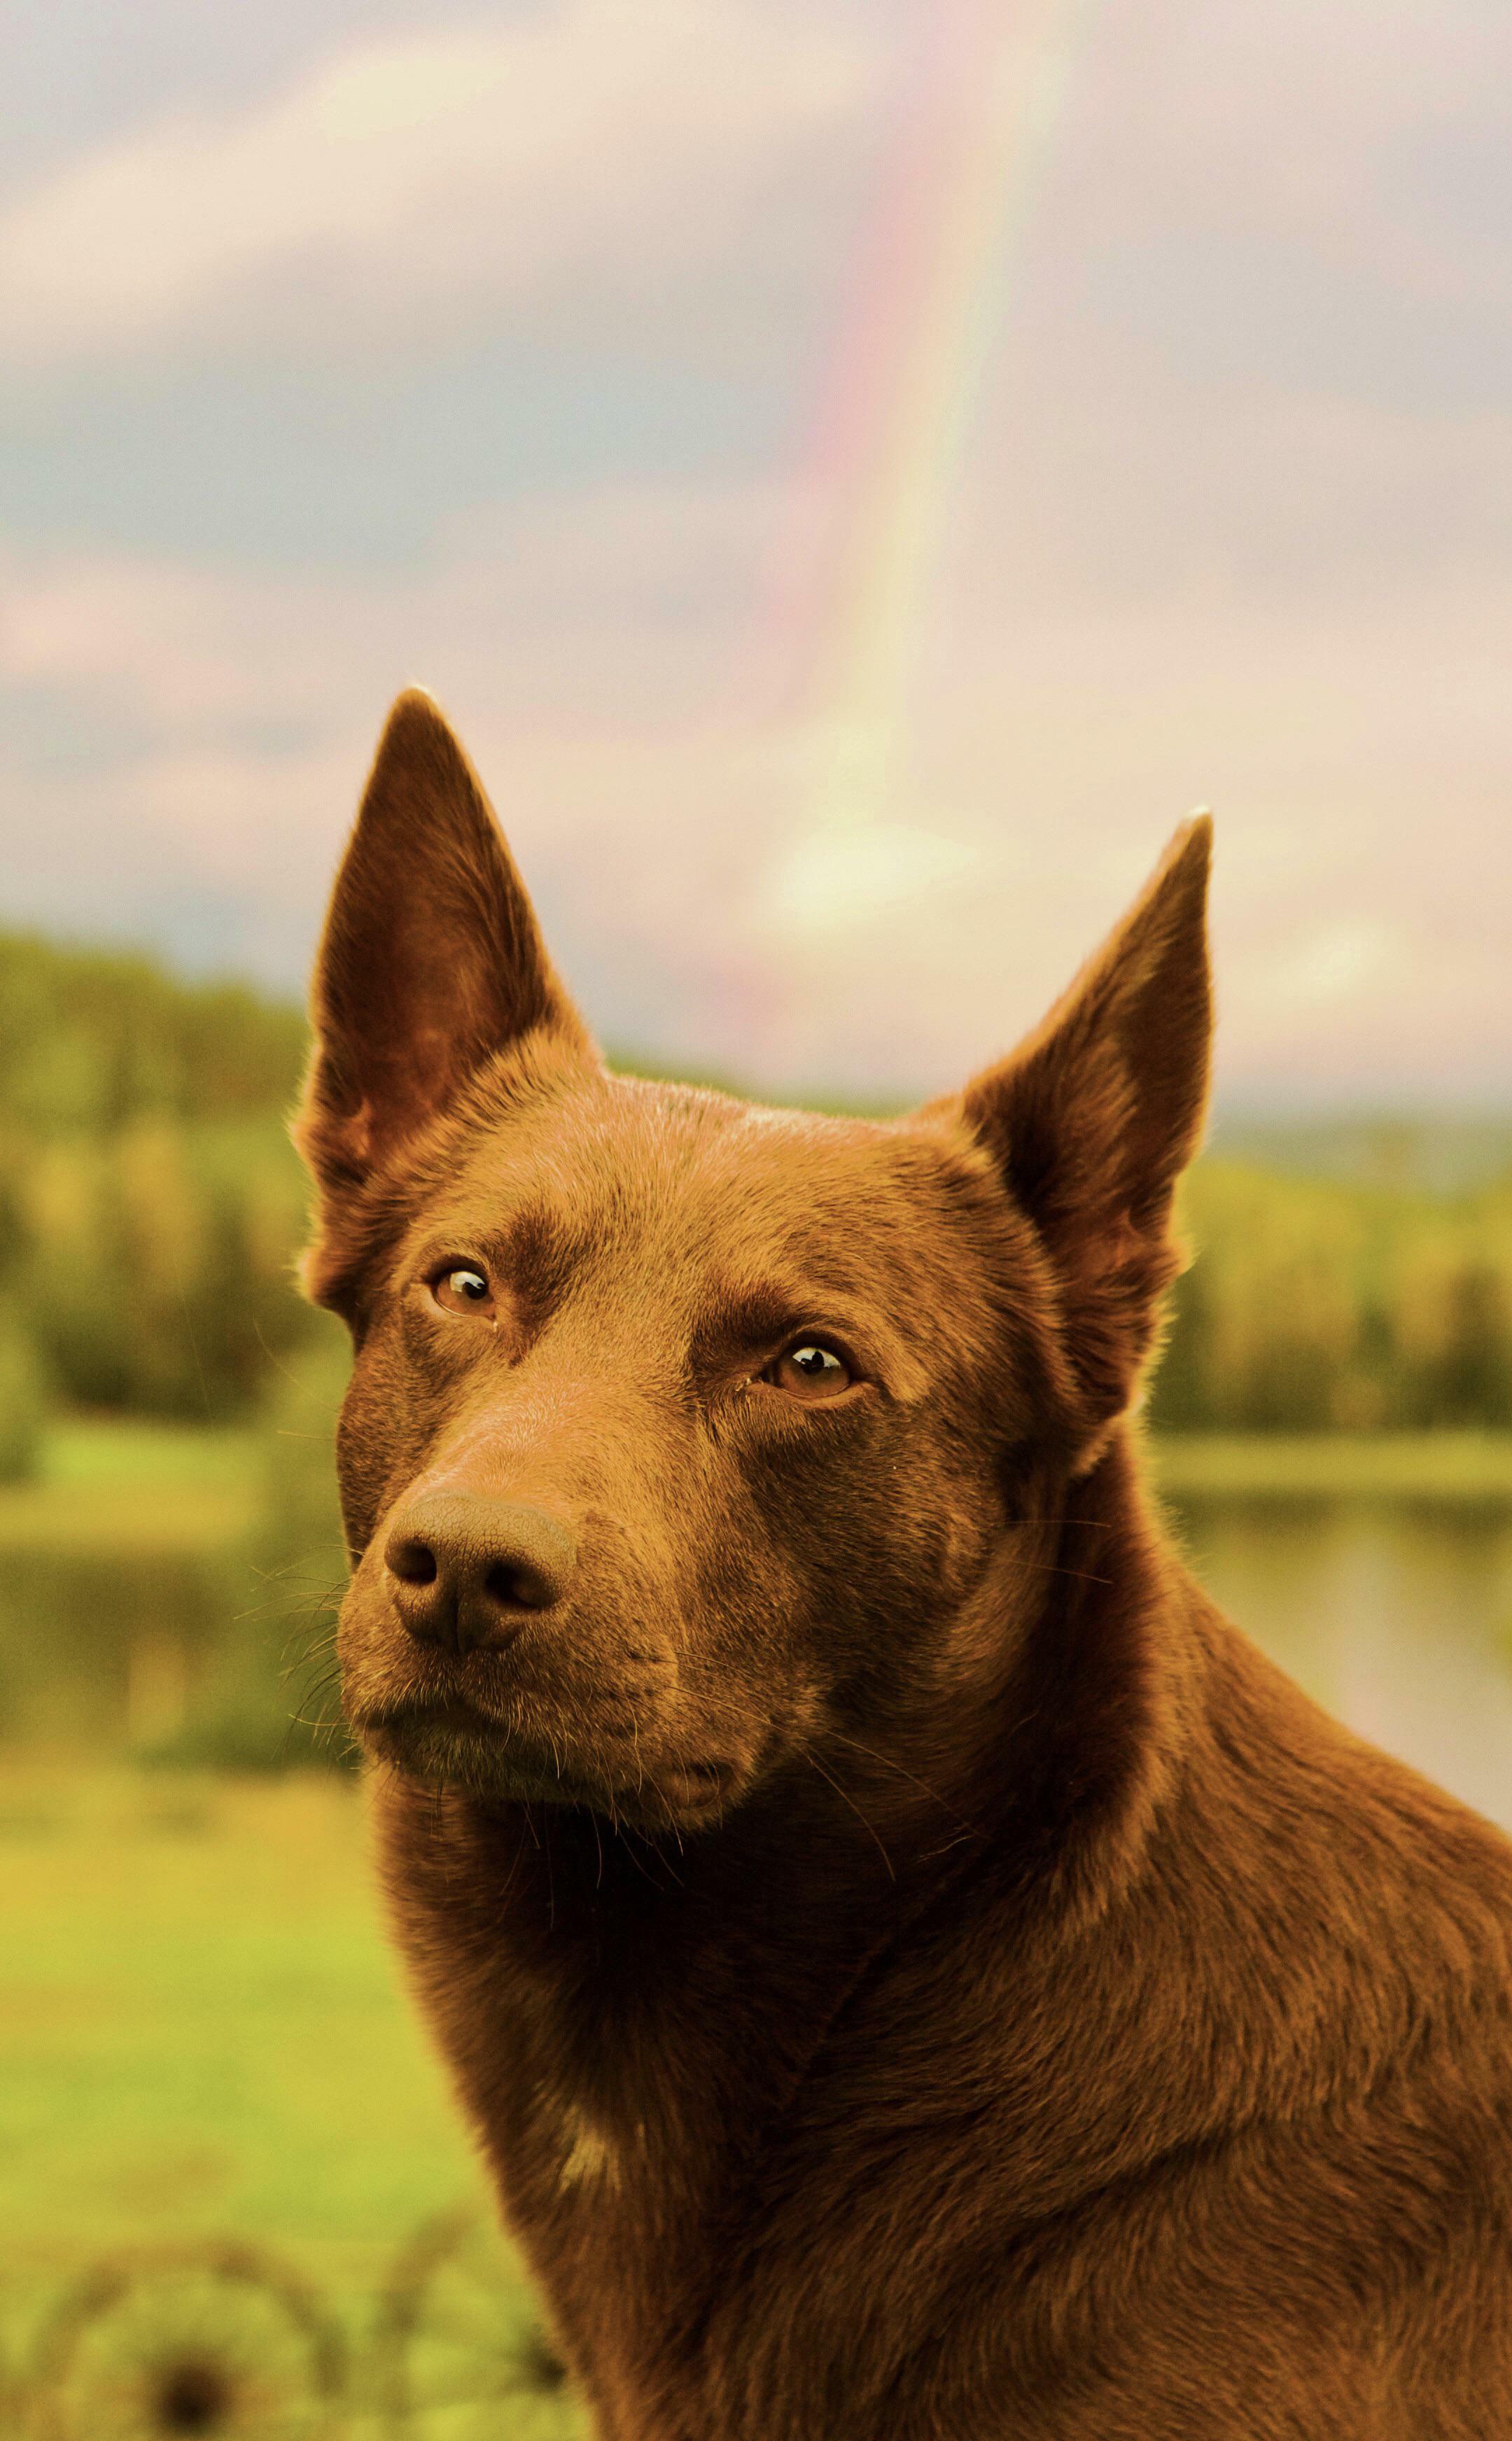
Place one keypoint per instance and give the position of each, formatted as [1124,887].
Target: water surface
[1397,1618]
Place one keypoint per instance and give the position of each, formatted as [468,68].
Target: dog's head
[688,1438]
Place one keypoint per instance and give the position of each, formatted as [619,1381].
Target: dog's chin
[443,1748]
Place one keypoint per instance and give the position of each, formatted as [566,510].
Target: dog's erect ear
[431,959]
[1094,1118]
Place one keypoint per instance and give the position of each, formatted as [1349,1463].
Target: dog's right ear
[431,960]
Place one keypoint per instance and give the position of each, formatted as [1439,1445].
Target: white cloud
[592,155]
[1341,962]
[614,605]
[414,180]
[1342,132]
[672,829]
[843,879]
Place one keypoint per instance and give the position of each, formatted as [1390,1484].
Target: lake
[120,1593]
[1397,1618]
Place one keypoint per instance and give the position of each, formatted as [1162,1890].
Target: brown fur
[913,1969]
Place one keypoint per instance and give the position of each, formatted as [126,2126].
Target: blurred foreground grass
[200,2035]
[199,2019]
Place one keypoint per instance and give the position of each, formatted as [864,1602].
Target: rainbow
[979,112]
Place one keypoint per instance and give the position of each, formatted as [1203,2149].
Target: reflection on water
[106,1653]
[1399,1618]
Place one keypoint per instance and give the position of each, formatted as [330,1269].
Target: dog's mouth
[451,1744]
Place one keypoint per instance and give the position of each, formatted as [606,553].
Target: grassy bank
[124,1485]
[1455,1468]
[134,1487]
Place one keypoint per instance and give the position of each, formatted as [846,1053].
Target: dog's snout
[464,1572]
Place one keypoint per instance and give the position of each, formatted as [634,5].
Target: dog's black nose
[465,1572]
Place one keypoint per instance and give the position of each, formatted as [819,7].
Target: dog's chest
[625,2206]
[698,2241]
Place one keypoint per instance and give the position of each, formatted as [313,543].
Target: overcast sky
[346,344]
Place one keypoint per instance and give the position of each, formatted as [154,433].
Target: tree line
[150,1209]
[150,1201]
[1316,1306]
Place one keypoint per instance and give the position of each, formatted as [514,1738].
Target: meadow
[202,2030]
[201,2035]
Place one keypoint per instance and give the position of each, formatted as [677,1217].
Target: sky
[857,472]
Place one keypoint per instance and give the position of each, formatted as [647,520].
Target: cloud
[1345,131]
[841,880]
[414,183]
[1338,963]
[584,158]
[600,655]
[613,606]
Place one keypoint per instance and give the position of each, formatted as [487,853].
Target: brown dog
[916,1972]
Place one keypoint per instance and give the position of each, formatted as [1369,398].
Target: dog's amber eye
[465,1290]
[809,1371]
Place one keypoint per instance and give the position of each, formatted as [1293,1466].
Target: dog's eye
[809,1371]
[465,1290]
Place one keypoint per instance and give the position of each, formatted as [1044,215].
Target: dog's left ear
[1094,1118]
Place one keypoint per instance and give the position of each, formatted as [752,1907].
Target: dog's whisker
[890,1763]
[1053,1568]
[809,1756]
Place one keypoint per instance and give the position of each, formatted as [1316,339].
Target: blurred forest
[1316,1305]
[150,1201]
[151,1208]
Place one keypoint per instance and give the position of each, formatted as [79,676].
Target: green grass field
[199,2019]
[201,2034]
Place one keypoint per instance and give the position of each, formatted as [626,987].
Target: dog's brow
[538,1252]
[747,1314]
